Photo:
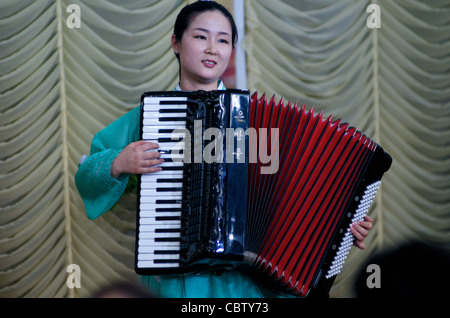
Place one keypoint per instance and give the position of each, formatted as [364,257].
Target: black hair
[189,12]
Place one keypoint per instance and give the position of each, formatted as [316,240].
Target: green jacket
[97,188]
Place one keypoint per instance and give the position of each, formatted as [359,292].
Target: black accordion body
[252,184]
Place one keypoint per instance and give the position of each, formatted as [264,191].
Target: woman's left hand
[360,230]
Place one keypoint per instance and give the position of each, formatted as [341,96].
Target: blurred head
[203,41]
[413,269]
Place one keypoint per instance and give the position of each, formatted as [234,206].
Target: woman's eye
[223,41]
[201,37]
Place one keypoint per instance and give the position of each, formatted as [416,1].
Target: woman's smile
[209,63]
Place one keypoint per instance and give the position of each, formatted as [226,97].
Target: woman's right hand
[137,159]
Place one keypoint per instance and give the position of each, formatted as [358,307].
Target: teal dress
[100,192]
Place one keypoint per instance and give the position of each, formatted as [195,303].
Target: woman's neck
[191,86]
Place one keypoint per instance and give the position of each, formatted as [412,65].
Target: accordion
[251,184]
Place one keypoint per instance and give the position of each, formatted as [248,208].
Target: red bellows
[292,213]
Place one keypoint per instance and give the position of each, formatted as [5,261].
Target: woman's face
[205,49]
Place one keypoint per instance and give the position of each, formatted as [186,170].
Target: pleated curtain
[391,82]
[60,84]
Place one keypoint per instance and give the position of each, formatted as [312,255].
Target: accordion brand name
[241,146]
